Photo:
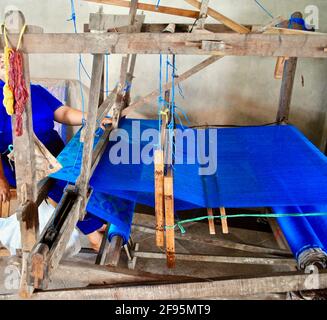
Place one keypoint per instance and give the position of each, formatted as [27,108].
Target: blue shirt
[44,105]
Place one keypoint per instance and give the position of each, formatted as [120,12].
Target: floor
[203,270]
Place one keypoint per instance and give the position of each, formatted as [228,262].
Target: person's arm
[4,186]
[69,116]
[74,117]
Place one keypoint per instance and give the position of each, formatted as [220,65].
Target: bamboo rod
[170,221]
[224,224]
[211,222]
[159,196]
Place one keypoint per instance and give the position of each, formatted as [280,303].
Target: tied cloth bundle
[15,92]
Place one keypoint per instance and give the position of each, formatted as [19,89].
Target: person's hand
[105,122]
[4,190]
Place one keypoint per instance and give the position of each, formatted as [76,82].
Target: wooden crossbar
[153,8]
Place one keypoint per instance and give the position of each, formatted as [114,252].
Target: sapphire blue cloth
[302,232]
[256,167]
[44,105]
[102,208]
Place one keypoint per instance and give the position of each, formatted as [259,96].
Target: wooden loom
[38,260]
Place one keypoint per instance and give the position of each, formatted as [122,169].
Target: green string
[179,224]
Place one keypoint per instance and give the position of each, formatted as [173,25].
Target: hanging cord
[264,9]
[107,74]
[80,61]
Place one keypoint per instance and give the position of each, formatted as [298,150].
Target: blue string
[184,114]
[158,3]
[160,98]
[128,86]
[264,9]
[107,74]
[80,62]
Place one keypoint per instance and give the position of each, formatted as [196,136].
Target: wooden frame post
[25,163]
[122,101]
[287,85]
[83,180]
[203,13]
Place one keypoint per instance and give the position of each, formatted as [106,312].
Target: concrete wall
[233,90]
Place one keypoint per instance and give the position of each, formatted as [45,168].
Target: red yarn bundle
[17,83]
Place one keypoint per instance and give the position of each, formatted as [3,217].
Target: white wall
[233,90]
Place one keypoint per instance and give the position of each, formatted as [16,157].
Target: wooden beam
[288,77]
[224,220]
[304,46]
[278,74]
[105,22]
[179,28]
[25,162]
[223,243]
[90,274]
[114,251]
[104,247]
[82,182]
[220,17]
[150,7]
[170,220]
[285,282]
[50,260]
[154,94]
[159,196]
[211,222]
[222,259]
[286,90]
[203,13]
[133,27]
[270,25]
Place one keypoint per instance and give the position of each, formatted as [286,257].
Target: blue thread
[158,3]
[264,9]
[80,62]
[184,114]
[160,99]
[107,74]
[128,86]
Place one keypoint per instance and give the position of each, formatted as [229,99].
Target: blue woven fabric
[299,233]
[109,208]
[272,166]
[303,233]
[257,167]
